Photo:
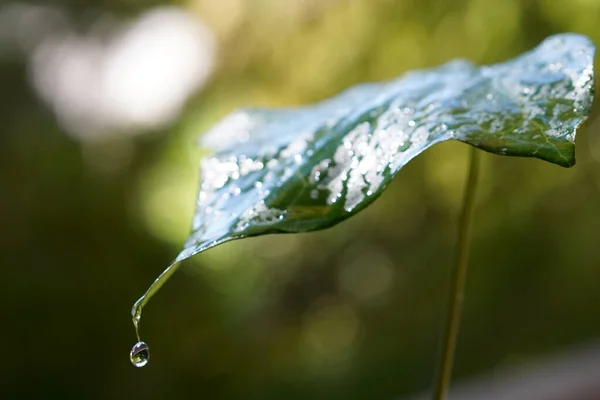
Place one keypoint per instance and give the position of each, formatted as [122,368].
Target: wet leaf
[303,169]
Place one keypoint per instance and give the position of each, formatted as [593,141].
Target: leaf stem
[458,280]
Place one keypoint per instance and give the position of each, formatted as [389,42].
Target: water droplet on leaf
[139,354]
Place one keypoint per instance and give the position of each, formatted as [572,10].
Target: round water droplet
[139,354]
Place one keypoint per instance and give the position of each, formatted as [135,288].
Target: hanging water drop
[139,354]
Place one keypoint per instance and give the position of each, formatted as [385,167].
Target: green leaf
[299,170]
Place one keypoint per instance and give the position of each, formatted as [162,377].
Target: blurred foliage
[350,312]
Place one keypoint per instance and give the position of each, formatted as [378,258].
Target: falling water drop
[139,354]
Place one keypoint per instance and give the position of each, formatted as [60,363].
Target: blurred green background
[101,102]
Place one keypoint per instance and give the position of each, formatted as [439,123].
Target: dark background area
[95,203]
